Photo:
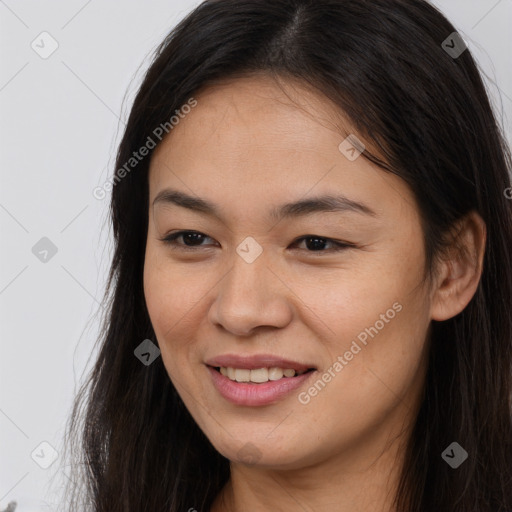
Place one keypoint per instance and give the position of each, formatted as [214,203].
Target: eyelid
[170,240]
[338,244]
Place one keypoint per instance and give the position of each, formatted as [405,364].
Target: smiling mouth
[259,375]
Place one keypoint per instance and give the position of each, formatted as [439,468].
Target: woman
[311,285]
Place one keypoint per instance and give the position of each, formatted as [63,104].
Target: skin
[248,146]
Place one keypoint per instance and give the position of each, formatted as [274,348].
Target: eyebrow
[302,207]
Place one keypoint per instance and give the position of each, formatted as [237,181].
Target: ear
[459,272]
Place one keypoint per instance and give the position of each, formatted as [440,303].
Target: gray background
[61,118]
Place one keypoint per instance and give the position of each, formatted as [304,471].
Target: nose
[251,296]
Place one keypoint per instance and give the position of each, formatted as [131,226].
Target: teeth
[275,373]
[242,375]
[258,376]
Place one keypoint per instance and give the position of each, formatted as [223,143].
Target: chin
[261,452]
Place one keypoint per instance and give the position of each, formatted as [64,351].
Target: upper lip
[256,361]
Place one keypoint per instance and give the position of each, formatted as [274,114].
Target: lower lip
[246,393]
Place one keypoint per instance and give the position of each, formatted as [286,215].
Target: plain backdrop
[60,123]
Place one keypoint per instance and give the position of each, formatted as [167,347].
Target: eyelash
[170,240]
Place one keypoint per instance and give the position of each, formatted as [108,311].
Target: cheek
[174,299]
[162,302]
[372,387]
[171,293]
[368,295]
[378,319]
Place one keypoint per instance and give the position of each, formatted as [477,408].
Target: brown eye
[313,243]
[316,243]
[191,239]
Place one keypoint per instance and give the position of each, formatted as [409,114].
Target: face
[253,287]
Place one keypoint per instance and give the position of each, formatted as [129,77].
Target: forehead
[251,140]
[256,113]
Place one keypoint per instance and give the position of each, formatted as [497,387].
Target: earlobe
[461,269]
